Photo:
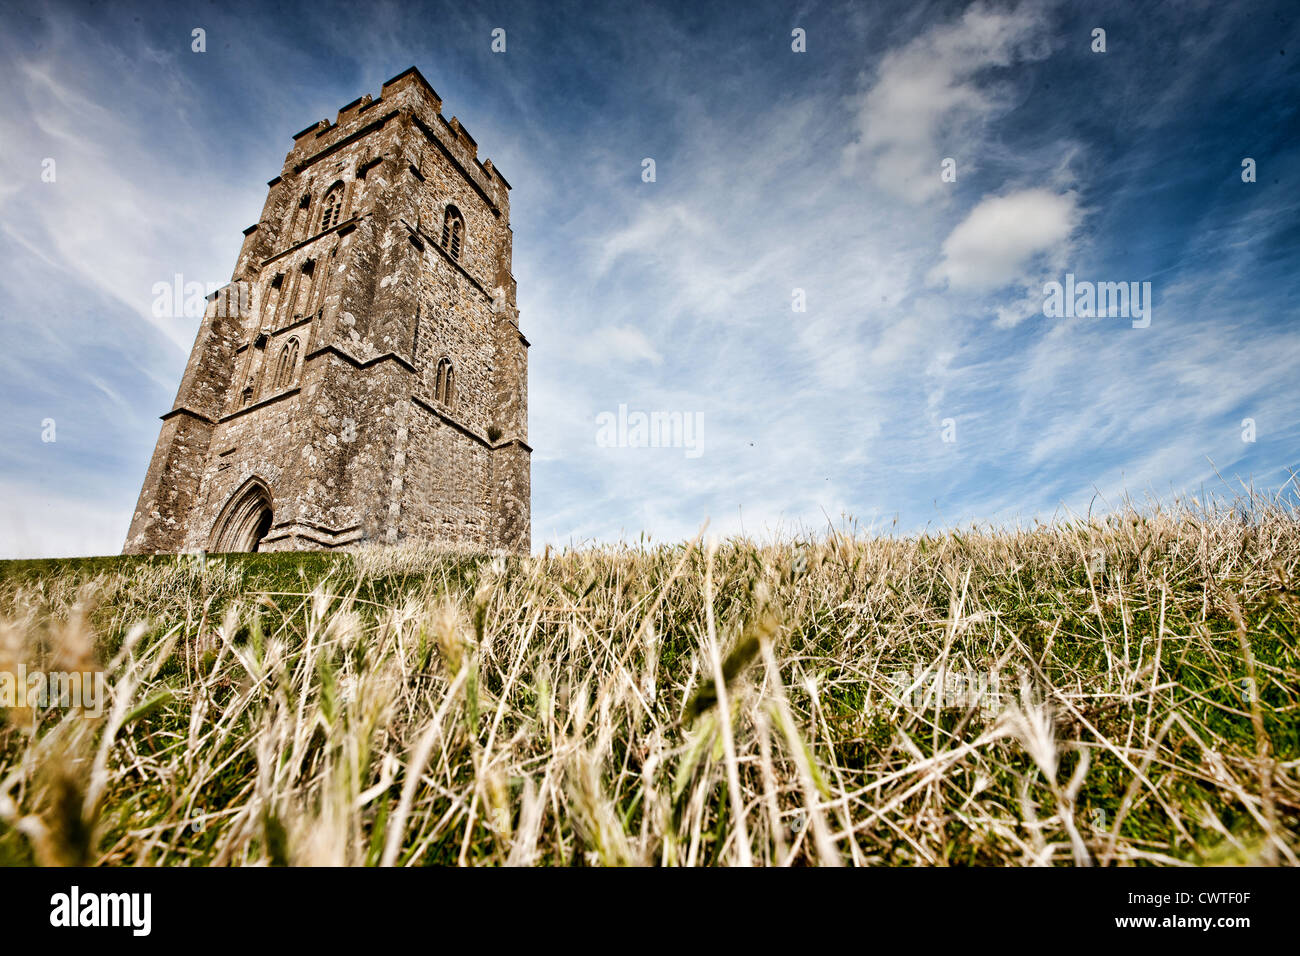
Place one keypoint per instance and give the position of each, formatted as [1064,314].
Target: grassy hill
[1120,691]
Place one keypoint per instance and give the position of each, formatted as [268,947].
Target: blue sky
[775,171]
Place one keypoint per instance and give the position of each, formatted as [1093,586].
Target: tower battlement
[372,383]
[408,90]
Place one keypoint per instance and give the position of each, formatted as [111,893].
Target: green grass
[679,705]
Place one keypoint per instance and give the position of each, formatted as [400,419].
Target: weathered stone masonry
[372,383]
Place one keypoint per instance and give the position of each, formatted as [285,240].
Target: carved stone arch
[332,206]
[287,364]
[453,231]
[245,520]
[444,386]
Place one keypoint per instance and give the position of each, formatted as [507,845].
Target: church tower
[363,376]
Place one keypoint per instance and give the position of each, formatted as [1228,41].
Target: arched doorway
[245,520]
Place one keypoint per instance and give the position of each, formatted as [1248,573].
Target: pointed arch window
[445,387]
[333,207]
[453,231]
[288,362]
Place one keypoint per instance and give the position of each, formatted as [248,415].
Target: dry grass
[684,705]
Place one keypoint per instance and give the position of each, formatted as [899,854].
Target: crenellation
[317,127]
[463,137]
[375,388]
[411,79]
[353,108]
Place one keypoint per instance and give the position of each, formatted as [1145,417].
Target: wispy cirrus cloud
[934,96]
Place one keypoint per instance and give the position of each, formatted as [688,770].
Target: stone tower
[363,376]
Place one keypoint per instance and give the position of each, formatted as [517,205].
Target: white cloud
[930,98]
[992,245]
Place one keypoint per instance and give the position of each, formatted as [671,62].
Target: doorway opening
[245,520]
